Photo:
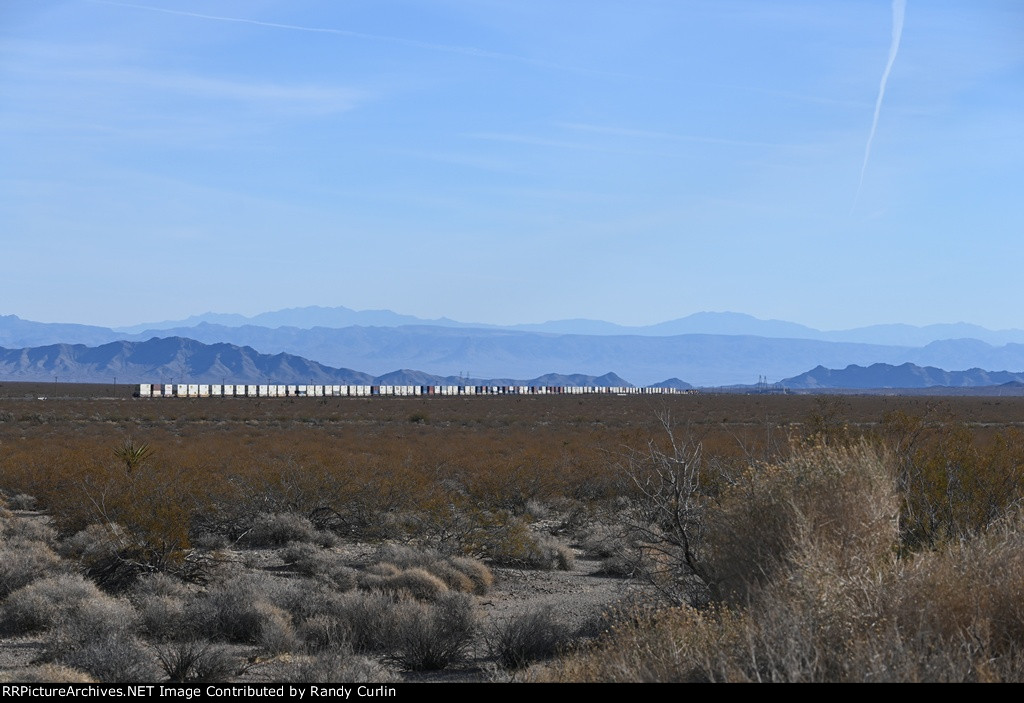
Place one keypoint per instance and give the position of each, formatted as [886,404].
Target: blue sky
[507,161]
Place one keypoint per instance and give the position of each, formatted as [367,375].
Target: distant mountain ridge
[902,376]
[451,349]
[718,323]
[180,360]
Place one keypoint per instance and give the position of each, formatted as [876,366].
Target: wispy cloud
[414,43]
[665,136]
[303,97]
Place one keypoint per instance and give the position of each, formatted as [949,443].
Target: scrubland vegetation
[756,538]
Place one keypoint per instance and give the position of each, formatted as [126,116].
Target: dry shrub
[413,582]
[24,561]
[680,644]
[334,667]
[458,573]
[516,545]
[22,501]
[163,618]
[96,636]
[162,604]
[831,602]
[246,609]
[478,573]
[278,529]
[432,636]
[520,640]
[29,529]
[109,656]
[323,632]
[365,620]
[115,557]
[840,503]
[46,673]
[196,661]
[321,564]
[45,603]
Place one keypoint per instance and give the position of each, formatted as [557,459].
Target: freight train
[201,390]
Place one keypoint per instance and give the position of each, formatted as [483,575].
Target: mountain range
[179,360]
[705,349]
[717,323]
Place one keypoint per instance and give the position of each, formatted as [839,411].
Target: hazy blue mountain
[16,332]
[478,353]
[728,323]
[168,360]
[180,360]
[303,318]
[673,383]
[448,350]
[902,376]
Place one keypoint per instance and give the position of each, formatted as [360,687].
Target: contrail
[448,48]
[899,8]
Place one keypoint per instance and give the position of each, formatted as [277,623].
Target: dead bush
[321,564]
[334,667]
[278,529]
[522,639]
[365,619]
[45,603]
[30,530]
[96,636]
[477,572]
[196,661]
[244,609]
[46,673]
[24,561]
[110,657]
[431,636]
[516,545]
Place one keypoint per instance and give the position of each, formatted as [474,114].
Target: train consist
[200,390]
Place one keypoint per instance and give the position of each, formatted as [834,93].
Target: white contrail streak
[449,48]
[899,8]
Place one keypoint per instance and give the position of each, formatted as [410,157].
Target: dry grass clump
[320,564]
[839,503]
[425,573]
[246,609]
[196,661]
[413,582]
[45,603]
[825,597]
[515,544]
[46,673]
[334,667]
[23,561]
[432,636]
[16,527]
[162,604]
[364,619]
[278,529]
[98,637]
[520,640]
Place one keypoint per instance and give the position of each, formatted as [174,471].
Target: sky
[835,164]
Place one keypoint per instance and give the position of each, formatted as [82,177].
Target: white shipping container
[192,390]
[204,390]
